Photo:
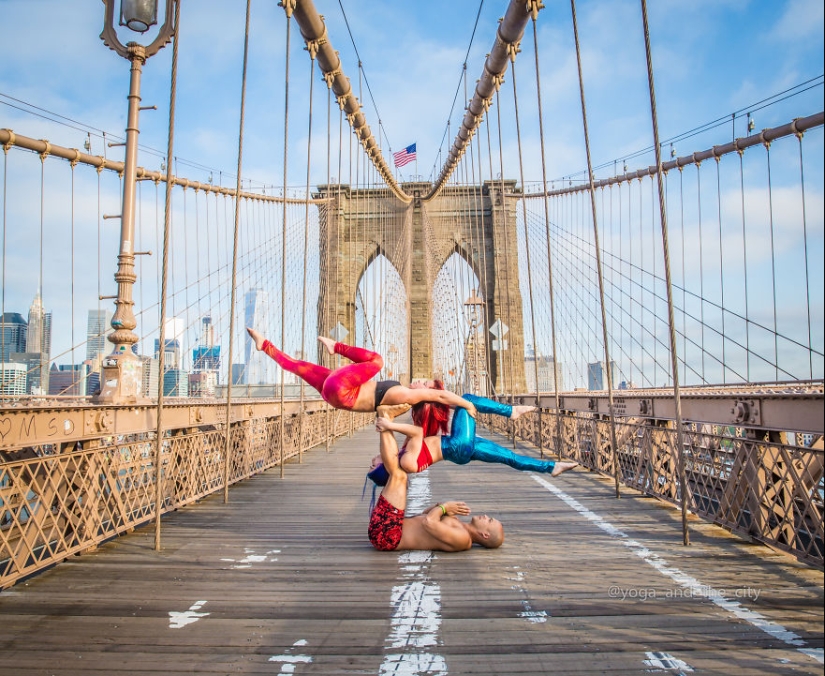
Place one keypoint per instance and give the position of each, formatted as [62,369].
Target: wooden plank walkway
[283,581]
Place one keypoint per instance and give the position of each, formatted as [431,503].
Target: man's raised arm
[451,537]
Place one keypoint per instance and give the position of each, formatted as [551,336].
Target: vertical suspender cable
[75,387]
[773,264]
[6,148]
[163,286]
[482,238]
[807,273]
[527,247]
[597,247]
[557,445]
[721,267]
[233,283]
[325,209]
[744,268]
[289,6]
[43,368]
[666,250]
[306,247]
[506,243]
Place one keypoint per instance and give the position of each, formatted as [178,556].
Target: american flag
[405,156]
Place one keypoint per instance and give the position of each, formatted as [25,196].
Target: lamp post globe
[122,381]
[138,15]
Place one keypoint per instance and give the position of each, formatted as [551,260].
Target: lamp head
[138,15]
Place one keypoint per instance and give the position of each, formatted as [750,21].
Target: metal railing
[56,502]
[759,484]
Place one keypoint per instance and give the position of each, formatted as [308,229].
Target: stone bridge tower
[476,222]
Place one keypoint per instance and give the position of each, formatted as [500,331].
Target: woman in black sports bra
[351,387]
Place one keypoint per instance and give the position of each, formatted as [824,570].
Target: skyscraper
[595,375]
[39,334]
[546,371]
[259,367]
[98,328]
[14,329]
[39,342]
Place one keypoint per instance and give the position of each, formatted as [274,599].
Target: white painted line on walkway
[289,661]
[416,604]
[688,582]
[667,662]
[534,616]
[179,620]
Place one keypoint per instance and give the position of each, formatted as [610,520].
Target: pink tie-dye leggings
[340,387]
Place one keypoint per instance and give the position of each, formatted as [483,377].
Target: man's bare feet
[257,337]
[328,343]
[390,412]
[519,411]
[562,467]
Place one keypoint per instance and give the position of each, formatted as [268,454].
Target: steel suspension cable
[744,268]
[159,431]
[75,376]
[773,262]
[306,248]
[527,249]
[289,6]
[233,281]
[324,287]
[6,148]
[506,242]
[487,296]
[666,251]
[496,268]
[805,243]
[597,247]
[534,9]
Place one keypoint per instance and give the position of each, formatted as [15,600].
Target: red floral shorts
[386,525]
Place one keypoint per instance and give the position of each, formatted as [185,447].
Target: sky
[712,59]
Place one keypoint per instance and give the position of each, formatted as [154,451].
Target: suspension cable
[233,280]
[527,248]
[666,250]
[306,248]
[159,432]
[556,373]
[597,246]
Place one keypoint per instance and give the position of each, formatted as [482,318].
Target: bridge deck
[286,582]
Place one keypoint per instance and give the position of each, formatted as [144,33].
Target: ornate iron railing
[751,482]
[56,502]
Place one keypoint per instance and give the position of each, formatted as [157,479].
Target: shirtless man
[438,528]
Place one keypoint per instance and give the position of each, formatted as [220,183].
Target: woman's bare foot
[562,467]
[519,411]
[257,337]
[390,412]
[328,343]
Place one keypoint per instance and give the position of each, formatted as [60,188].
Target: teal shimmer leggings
[462,445]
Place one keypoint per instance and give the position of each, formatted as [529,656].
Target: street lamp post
[122,381]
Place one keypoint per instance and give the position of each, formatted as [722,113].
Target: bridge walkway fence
[764,485]
[62,499]
[283,580]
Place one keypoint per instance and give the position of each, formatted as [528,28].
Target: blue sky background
[711,58]
[58,81]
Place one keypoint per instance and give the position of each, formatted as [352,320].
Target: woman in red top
[350,387]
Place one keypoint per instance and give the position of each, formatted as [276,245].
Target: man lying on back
[438,528]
